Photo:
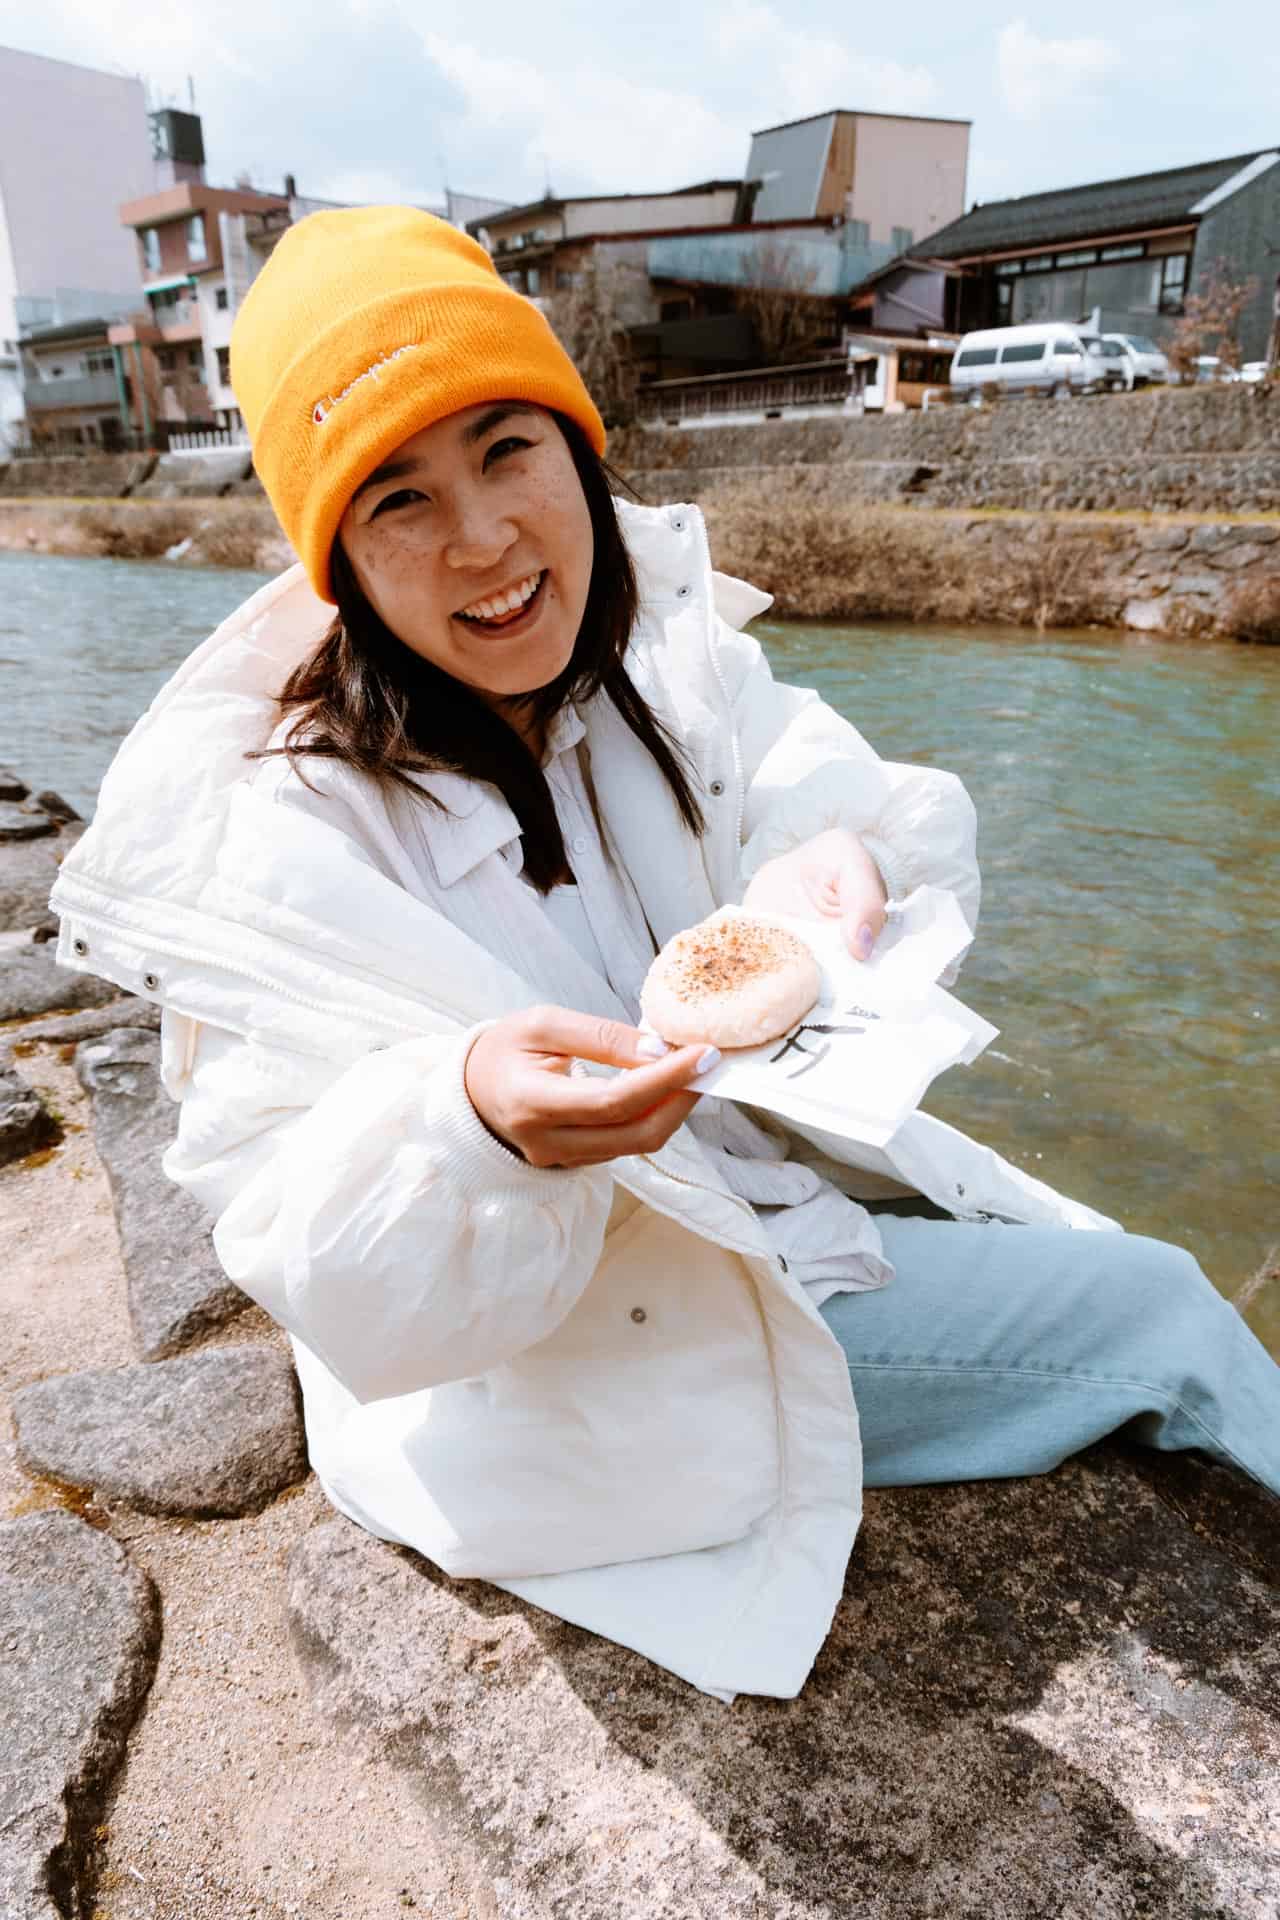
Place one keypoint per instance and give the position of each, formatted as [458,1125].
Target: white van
[1050,357]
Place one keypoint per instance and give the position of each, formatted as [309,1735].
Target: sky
[392,99]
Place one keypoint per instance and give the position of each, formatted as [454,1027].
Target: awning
[165,286]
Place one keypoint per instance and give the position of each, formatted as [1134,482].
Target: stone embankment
[220,1700]
[1154,510]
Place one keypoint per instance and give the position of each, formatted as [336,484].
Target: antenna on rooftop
[191,94]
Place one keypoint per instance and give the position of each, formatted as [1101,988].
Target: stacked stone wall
[1172,423]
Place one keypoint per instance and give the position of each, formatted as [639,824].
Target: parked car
[1047,358]
[1208,369]
[1253,371]
[1146,361]
[1118,373]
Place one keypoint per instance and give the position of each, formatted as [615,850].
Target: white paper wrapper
[882,1030]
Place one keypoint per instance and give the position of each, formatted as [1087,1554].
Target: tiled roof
[1078,213]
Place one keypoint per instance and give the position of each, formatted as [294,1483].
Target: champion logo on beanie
[365,326]
[323,408]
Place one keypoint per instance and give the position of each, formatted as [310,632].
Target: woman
[395,875]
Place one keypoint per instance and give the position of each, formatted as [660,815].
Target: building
[198,248]
[826,202]
[890,176]
[73,145]
[1123,254]
[540,248]
[73,386]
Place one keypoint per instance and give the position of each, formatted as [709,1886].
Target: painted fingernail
[864,942]
[707,1060]
[650,1047]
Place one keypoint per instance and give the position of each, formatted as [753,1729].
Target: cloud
[586,125]
[1043,76]
[812,72]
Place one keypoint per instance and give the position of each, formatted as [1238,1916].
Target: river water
[1128,793]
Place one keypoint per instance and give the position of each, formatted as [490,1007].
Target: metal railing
[209,440]
[824,383]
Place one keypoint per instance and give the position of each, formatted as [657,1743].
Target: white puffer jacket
[599,1389]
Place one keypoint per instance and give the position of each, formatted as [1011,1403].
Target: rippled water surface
[1128,793]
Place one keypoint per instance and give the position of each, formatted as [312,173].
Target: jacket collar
[477,821]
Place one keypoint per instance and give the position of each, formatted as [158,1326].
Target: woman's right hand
[519,1080]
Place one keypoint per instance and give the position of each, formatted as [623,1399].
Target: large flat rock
[1039,1698]
[79,1630]
[210,1434]
[31,981]
[28,867]
[177,1290]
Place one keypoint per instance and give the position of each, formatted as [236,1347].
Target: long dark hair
[367,699]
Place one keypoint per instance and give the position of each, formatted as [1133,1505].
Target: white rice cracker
[734,980]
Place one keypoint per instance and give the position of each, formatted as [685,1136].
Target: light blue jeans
[999,1350]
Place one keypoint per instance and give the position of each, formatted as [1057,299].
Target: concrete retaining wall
[105,476]
[188,476]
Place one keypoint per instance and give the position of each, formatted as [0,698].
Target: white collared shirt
[829,1240]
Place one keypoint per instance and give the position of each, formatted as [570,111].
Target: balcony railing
[823,383]
[86,390]
[177,313]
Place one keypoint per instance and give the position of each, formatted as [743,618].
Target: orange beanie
[366,325]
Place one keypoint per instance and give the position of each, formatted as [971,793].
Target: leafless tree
[1210,321]
[587,316]
[776,293]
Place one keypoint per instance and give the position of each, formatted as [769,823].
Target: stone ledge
[79,1633]
[1040,1697]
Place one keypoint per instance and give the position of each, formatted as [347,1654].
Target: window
[533,279]
[1173,282]
[977,357]
[1042,263]
[197,248]
[901,237]
[165,359]
[566,279]
[1085,257]
[1131,250]
[1067,349]
[224,366]
[675,309]
[195,357]
[1004,301]
[151,249]
[98,363]
[1008,267]
[859,232]
[1025,350]
[220,299]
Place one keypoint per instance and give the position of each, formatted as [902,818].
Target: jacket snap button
[80,947]
[717,788]
[639,1315]
[151,981]
[678,522]
[682,593]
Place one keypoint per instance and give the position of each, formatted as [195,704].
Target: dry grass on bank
[847,561]
[220,533]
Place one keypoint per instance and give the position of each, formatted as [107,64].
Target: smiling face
[473,544]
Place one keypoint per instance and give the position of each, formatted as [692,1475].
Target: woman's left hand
[831,877]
